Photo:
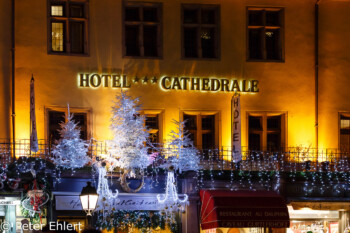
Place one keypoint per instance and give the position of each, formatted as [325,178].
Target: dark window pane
[152,122]
[76,10]
[190,122]
[208,43]
[150,14]
[132,40]
[344,133]
[208,140]
[81,120]
[190,16]
[55,118]
[154,138]
[273,141]
[192,134]
[132,14]
[273,51]
[273,18]
[254,141]
[76,37]
[208,16]
[208,122]
[190,42]
[150,41]
[255,44]
[255,18]
[274,123]
[255,123]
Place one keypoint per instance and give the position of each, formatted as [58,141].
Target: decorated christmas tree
[70,151]
[183,154]
[129,147]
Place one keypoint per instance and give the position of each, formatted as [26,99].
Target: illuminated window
[56,10]
[203,128]
[266,131]
[68,27]
[57,36]
[265,34]
[344,139]
[154,119]
[57,115]
[152,124]
[200,31]
[142,29]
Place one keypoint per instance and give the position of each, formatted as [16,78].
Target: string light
[170,201]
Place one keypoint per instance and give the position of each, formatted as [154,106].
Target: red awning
[237,209]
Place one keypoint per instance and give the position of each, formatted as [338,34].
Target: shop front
[14,218]
[130,212]
[243,212]
[319,217]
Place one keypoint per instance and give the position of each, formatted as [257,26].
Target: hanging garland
[124,221]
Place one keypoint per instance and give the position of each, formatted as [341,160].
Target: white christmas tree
[71,150]
[183,154]
[129,148]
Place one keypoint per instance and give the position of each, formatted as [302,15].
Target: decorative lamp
[88,198]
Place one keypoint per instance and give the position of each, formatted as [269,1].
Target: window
[200,31]
[152,124]
[142,30]
[68,26]
[265,34]
[266,131]
[344,139]
[57,115]
[203,129]
[154,119]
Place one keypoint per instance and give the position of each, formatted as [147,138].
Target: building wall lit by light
[287,86]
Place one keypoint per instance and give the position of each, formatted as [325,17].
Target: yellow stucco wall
[334,69]
[5,70]
[286,86]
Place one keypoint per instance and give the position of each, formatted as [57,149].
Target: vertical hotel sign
[236,129]
[33,132]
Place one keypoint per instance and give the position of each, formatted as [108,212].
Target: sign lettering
[121,203]
[167,83]
[236,129]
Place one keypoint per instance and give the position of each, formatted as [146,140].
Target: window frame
[264,27]
[263,139]
[141,24]
[198,25]
[340,114]
[67,19]
[160,113]
[217,117]
[73,110]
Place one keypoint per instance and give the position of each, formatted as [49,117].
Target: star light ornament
[71,151]
[170,201]
[106,196]
[128,148]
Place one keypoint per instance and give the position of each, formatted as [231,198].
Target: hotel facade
[185,60]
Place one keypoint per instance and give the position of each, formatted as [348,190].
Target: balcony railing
[290,159]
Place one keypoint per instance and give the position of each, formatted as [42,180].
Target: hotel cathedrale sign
[167,83]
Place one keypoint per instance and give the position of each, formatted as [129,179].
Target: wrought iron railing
[287,159]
